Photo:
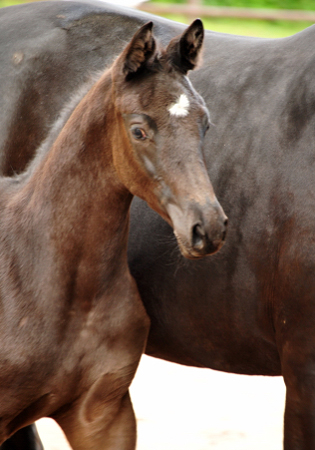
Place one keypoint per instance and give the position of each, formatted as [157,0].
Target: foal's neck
[74,197]
[82,153]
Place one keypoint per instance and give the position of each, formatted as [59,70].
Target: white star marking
[180,108]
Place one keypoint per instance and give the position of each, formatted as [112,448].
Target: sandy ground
[182,408]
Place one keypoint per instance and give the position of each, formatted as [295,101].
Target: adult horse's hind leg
[112,428]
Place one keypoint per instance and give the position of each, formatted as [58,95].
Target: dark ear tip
[139,50]
[148,26]
[197,23]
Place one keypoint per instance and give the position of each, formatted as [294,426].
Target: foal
[72,325]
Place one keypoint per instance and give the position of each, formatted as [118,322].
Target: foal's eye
[139,133]
[206,126]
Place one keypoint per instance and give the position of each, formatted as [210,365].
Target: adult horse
[250,308]
[73,326]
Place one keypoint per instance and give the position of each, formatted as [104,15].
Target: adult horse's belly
[207,313]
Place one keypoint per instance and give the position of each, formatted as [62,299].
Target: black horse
[250,308]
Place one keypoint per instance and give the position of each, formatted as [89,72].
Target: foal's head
[161,123]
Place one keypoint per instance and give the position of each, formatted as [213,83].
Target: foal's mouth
[189,252]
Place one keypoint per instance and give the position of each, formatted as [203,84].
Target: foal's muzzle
[204,242]
[199,230]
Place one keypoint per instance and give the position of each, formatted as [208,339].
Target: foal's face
[163,123]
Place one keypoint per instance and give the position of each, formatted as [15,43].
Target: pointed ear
[184,51]
[139,50]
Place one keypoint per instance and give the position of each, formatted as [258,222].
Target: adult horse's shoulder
[55,47]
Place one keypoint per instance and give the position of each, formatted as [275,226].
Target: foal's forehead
[163,96]
[177,95]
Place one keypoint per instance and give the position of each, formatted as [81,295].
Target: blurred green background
[308,5]
[247,27]
[252,27]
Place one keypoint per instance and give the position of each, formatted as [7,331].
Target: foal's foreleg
[102,419]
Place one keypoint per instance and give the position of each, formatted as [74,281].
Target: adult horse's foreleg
[107,425]
[26,438]
[299,417]
[298,367]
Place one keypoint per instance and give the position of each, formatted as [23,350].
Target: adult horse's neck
[74,200]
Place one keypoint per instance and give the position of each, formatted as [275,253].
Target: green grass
[252,27]
[4,3]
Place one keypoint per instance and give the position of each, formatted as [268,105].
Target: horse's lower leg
[299,424]
[298,366]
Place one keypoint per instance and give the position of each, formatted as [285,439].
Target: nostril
[198,235]
[225,223]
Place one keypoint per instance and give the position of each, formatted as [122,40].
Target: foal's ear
[184,50]
[139,50]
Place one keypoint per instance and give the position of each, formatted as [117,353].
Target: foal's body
[60,234]
[61,231]
[73,327]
